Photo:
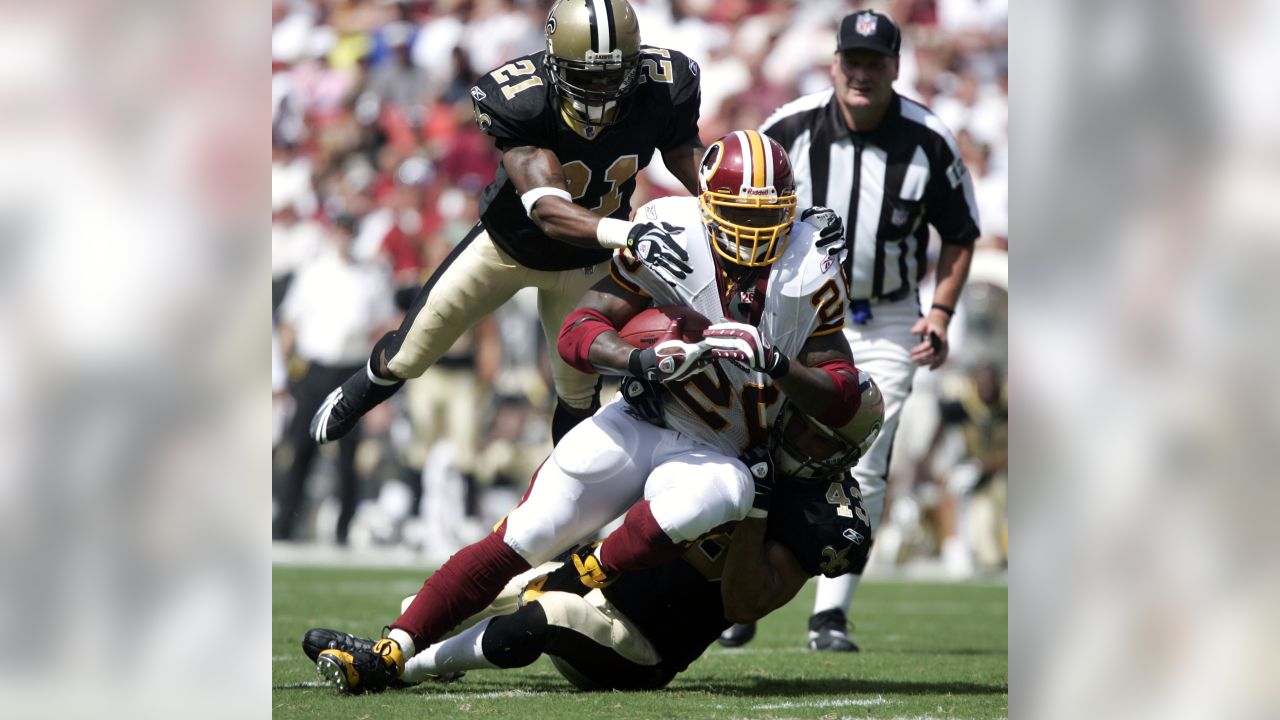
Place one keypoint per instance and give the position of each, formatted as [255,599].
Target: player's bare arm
[683,162]
[759,576]
[809,387]
[531,168]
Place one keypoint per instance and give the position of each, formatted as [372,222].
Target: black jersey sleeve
[822,524]
[952,208]
[511,104]
[684,90]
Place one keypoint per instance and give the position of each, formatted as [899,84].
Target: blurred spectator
[334,308]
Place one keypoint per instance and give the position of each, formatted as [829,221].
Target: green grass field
[929,650]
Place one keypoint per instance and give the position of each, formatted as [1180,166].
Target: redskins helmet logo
[710,163]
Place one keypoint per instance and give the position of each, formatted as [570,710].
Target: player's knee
[579,392]
[533,534]
[516,640]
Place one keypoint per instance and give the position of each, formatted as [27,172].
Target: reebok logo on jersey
[853,536]
[477,94]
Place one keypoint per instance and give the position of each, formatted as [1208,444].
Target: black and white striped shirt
[888,184]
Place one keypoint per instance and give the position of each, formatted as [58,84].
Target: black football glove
[644,398]
[760,463]
[654,246]
[830,229]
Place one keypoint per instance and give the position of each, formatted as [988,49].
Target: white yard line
[877,700]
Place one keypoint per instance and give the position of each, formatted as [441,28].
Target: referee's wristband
[950,311]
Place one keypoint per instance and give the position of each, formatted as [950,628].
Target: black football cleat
[737,635]
[362,671]
[317,640]
[828,632]
[344,407]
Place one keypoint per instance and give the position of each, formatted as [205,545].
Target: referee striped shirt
[888,184]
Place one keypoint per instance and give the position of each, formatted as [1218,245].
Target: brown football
[644,330]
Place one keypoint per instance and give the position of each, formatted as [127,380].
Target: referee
[890,168]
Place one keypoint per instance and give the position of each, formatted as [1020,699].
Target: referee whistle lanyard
[861,311]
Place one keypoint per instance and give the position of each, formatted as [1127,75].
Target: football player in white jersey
[777,303]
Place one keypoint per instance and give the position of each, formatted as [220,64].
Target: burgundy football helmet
[748,197]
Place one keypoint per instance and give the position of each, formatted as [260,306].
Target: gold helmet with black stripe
[593,58]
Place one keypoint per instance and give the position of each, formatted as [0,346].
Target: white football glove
[742,343]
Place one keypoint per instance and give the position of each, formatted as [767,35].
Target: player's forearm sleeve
[580,329]
[846,398]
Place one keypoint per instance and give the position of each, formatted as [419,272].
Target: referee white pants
[882,347]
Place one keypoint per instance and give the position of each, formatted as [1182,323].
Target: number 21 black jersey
[517,105]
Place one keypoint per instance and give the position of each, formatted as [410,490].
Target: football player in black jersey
[649,625]
[575,123]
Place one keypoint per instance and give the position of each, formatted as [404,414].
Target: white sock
[836,593]
[460,652]
[404,640]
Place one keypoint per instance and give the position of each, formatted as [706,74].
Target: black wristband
[635,363]
[950,311]
[780,366]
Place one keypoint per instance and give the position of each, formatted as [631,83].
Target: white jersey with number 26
[725,406]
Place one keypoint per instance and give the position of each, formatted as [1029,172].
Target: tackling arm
[759,576]
[820,382]
[531,168]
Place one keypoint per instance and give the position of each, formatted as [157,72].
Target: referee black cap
[869,30]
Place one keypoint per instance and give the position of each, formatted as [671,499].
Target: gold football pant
[476,279]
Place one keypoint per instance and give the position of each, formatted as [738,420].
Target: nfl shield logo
[898,217]
[865,25]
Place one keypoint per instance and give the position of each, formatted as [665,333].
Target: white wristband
[536,194]
[613,233]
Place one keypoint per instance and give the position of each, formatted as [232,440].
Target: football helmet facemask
[748,197]
[805,449]
[593,58]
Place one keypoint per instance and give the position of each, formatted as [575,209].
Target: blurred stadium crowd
[377,166]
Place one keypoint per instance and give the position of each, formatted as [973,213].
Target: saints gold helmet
[805,449]
[593,58]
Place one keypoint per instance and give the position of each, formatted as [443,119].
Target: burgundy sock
[639,543]
[462,587]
